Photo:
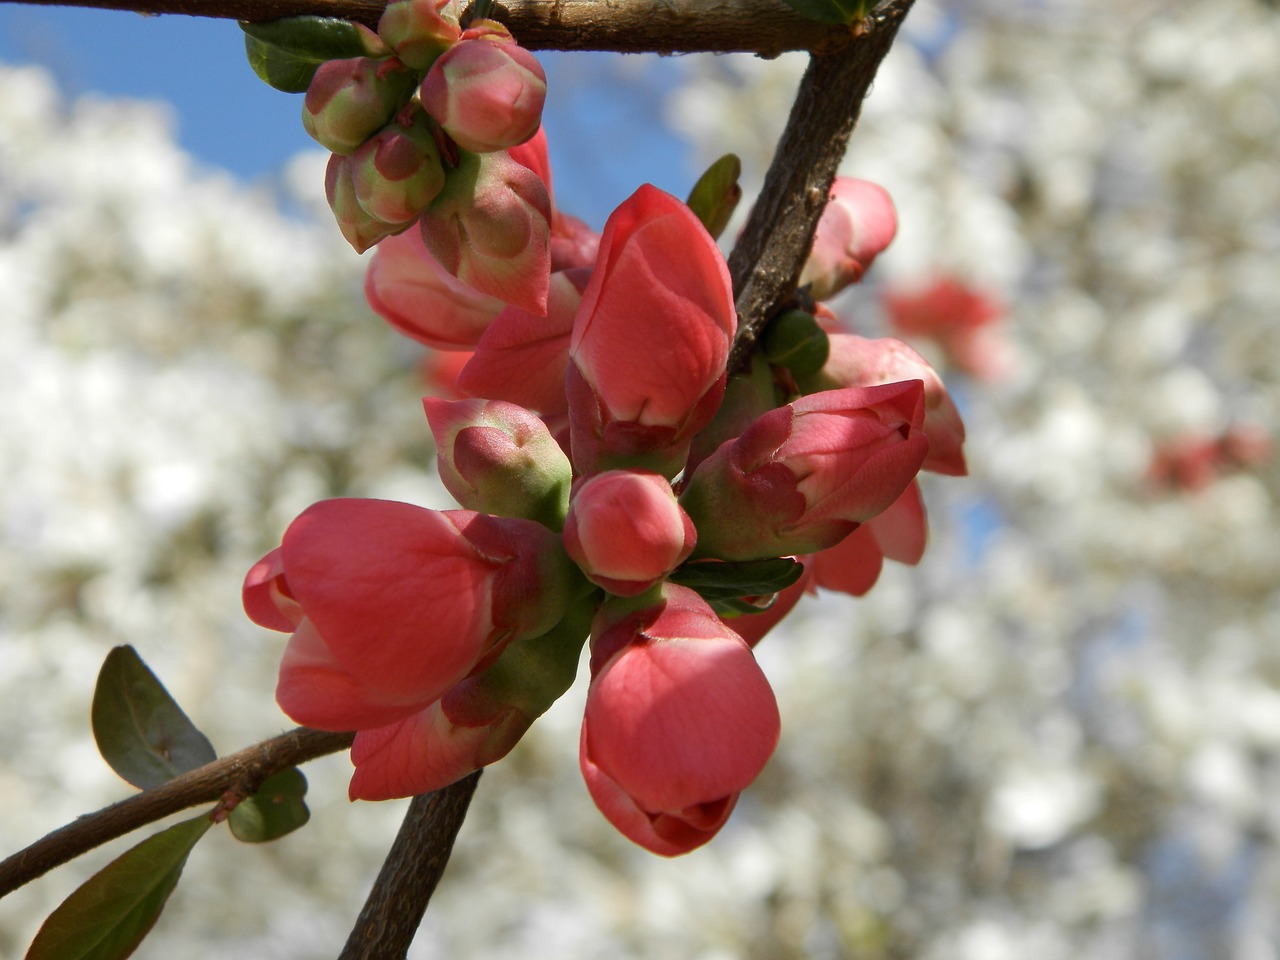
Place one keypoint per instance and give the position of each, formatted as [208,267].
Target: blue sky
[606,137]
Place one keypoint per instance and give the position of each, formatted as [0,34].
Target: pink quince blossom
[859,362]
[650,339]
[679,720]
[407,287]
[349,100]
[853,565]
[390,604]
[486,91]
[858,222]
[626,531]
[803,476]
[419,30]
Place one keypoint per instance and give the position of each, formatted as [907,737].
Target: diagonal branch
[764,27]
[409,875]
[242,772]
[768,257]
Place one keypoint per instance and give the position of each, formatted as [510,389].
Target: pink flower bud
[499,458]
[490,228]
[626,530]
[391,604]
[522,356]
[419,30]
[486,91]
[853,565]
[397,171]
[858,222]
[859,362]
[407,287]
[651,338]
[803,476]
[679,720]
[358,226]
[350,100]
[477,722]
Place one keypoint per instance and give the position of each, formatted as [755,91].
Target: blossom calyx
[803,476]
[858,222]
[679,720]
[650,340]
[350,100]
[626,531]
[490,228]
[486,91]
[499,458]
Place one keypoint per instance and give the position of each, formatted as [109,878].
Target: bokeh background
[1058,737]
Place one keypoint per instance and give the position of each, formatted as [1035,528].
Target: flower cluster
[616,484]
[421,128]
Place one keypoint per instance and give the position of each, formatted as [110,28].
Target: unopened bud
[397,172]
[350,100]
[418,30]
[361,229]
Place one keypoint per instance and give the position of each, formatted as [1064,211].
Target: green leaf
[285,53]
[107,917]
[832,11]
[716,194]
[721,582]
[141,732]
[276,809]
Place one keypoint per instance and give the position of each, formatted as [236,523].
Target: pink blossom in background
[960,318]
[858,222]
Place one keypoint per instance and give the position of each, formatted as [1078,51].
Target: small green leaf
[285,53]
[720,582]
[832,11]
[716,194]
[141,732]
[276,809]
[107,917]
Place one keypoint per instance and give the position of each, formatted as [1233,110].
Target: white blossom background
[1058,737]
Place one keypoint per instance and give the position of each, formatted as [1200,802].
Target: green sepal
[107,916]
[794,340]
[140,730]
[831,11]
[723,582]
[286,53]
[716,194]
[276,809]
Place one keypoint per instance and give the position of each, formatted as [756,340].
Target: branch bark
[242,773]
[763,27]
[409,875]
[768,257]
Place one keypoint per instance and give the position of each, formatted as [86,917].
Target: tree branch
[409,875]
[768,257]
[764,27]
[241,773]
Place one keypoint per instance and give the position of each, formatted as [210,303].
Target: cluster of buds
[419,129]
[617,486]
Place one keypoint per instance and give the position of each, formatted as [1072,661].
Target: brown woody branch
[414,865]
[768,257]
[241,773]
[764,27]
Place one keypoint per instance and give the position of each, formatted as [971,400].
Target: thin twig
[768,257]
[409,875]
[764,27]
[241,772]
